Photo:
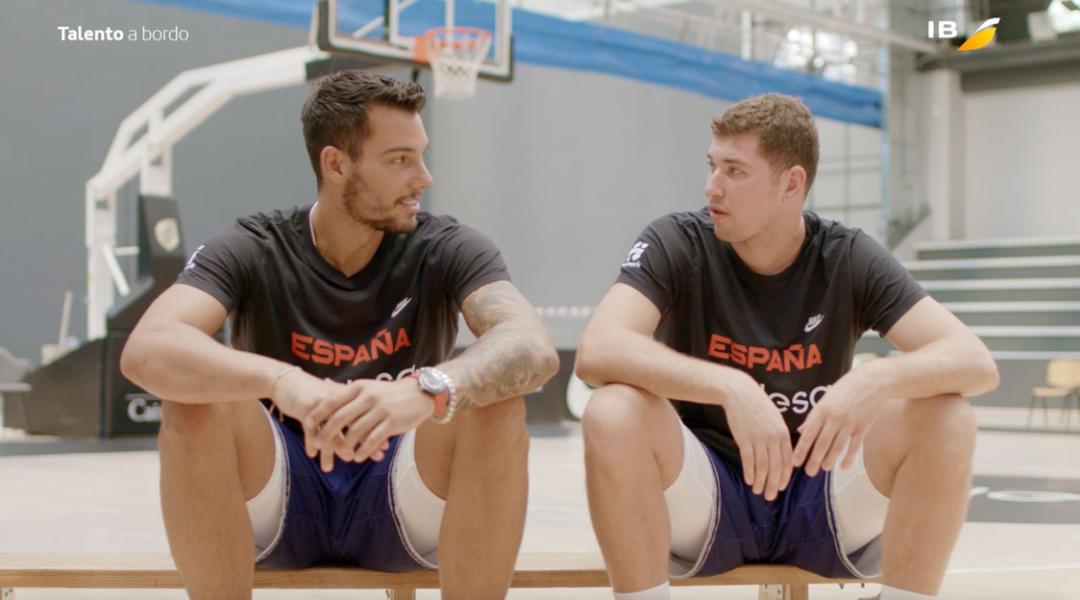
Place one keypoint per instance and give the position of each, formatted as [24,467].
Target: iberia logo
[982,36]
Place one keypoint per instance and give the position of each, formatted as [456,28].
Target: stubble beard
[356,198]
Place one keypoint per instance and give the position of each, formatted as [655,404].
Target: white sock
[891,593]
[660,592]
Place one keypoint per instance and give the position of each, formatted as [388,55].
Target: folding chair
[1062,381]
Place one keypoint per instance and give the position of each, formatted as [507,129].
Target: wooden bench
[110,571]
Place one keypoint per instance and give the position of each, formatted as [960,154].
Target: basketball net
[455,55]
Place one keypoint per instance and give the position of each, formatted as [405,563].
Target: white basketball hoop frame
[394,46]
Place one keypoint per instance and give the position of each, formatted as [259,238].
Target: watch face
[431,383]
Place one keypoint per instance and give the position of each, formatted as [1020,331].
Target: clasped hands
[351,420]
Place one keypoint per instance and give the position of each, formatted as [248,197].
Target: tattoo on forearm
[512,354]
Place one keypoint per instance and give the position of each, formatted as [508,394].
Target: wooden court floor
[1021,541]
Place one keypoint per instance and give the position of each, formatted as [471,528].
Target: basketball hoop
[455,54]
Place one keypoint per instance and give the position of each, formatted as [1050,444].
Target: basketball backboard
[387,30]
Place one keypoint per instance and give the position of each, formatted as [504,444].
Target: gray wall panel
[1023,147]
[562,169]
[61,104]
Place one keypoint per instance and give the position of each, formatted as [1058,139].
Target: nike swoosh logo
[813,323]
[400,307]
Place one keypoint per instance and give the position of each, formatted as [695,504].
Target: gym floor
[1021,541]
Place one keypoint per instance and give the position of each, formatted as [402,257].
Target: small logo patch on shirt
[400,307]
[633,258]
[191,261]
[813,323]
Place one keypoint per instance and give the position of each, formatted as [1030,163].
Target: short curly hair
[336,112]
[787,135]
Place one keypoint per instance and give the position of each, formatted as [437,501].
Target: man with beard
[773,449]
[384,453]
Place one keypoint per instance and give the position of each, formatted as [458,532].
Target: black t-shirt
[398,313]
[793,332]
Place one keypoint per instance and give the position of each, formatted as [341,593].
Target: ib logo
[948,30]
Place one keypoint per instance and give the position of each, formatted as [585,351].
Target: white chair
[1062,381]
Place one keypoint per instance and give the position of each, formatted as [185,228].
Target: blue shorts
[345,516]
[797,528]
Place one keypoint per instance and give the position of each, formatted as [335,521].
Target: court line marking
[1013,569]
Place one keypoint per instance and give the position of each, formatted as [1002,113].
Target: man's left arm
[512,355]
[939,355]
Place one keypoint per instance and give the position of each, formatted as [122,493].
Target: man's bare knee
[618,414]
[506,417]
[940,429]
[492,437]
[219,429]
[617,410]
[182,423]
[946,423]
[497,430]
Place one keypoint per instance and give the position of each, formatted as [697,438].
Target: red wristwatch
[434,386]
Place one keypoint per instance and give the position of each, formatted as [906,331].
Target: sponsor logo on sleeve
[191,261]
[633,258]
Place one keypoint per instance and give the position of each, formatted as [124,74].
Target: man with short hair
[384,452]
[771,448]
